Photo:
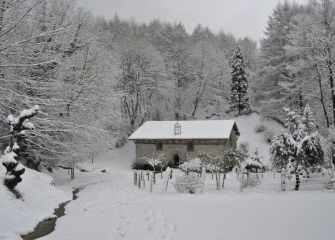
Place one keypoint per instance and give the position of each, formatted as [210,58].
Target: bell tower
[177,128]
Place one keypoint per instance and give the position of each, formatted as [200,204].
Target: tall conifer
[239,86]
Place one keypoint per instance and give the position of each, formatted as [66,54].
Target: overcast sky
[239,17]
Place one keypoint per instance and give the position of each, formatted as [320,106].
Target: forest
[96,80]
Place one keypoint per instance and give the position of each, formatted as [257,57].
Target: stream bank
[48,226]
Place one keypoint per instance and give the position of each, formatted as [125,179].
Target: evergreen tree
[18,126]
[239,87]
[298,147]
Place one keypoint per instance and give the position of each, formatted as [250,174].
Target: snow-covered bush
[211,161]
[269,135]
[122,140]
[18,127]
[193,165]
[215,164]
[188,184]
[260,128]
[231,159]
[254,166]
[254,163]
[218,165]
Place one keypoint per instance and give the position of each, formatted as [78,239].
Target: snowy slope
[20,216]
[256,141]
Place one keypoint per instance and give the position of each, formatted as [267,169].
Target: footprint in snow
[121,227]
[122,203]
[157,225]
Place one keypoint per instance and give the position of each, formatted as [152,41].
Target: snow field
[112,207]
[40,198]
[256,141]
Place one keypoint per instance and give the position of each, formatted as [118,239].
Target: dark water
[48,226]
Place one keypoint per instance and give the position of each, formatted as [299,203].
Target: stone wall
[145,150]
[169,150]
[217,149]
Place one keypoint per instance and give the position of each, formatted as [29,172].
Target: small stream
[48,226]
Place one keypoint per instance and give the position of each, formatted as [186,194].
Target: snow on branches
[254,163]
[156,162]
[18,126]
[193,165]
[298,147]
[213,163]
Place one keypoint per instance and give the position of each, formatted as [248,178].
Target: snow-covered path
[111,207]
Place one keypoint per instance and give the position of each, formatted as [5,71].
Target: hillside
[249,125]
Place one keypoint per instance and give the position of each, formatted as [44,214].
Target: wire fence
[266,182]
[273,182]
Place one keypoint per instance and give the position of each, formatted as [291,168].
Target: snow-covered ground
[40,198]
[256,141]
[110,206]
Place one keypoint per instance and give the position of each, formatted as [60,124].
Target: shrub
[254,163]
[188,184]
[193,165]
[260,128]
[231,159]
[244,148]
[269,136]
[121,141]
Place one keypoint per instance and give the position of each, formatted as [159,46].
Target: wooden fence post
[72,170]
[223,179]
[139,179]
[143,178]
[151,182]
[203,176]
[282,182]
[242,182]
[135,177]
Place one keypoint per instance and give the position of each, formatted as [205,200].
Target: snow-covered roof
[199,129]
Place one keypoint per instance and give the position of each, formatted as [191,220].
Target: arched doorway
[176,160]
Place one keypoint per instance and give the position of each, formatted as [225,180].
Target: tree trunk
[301,107]
[331,81]
[297,180]
[322,96]
[327,9]
[199,95]
[2,13]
